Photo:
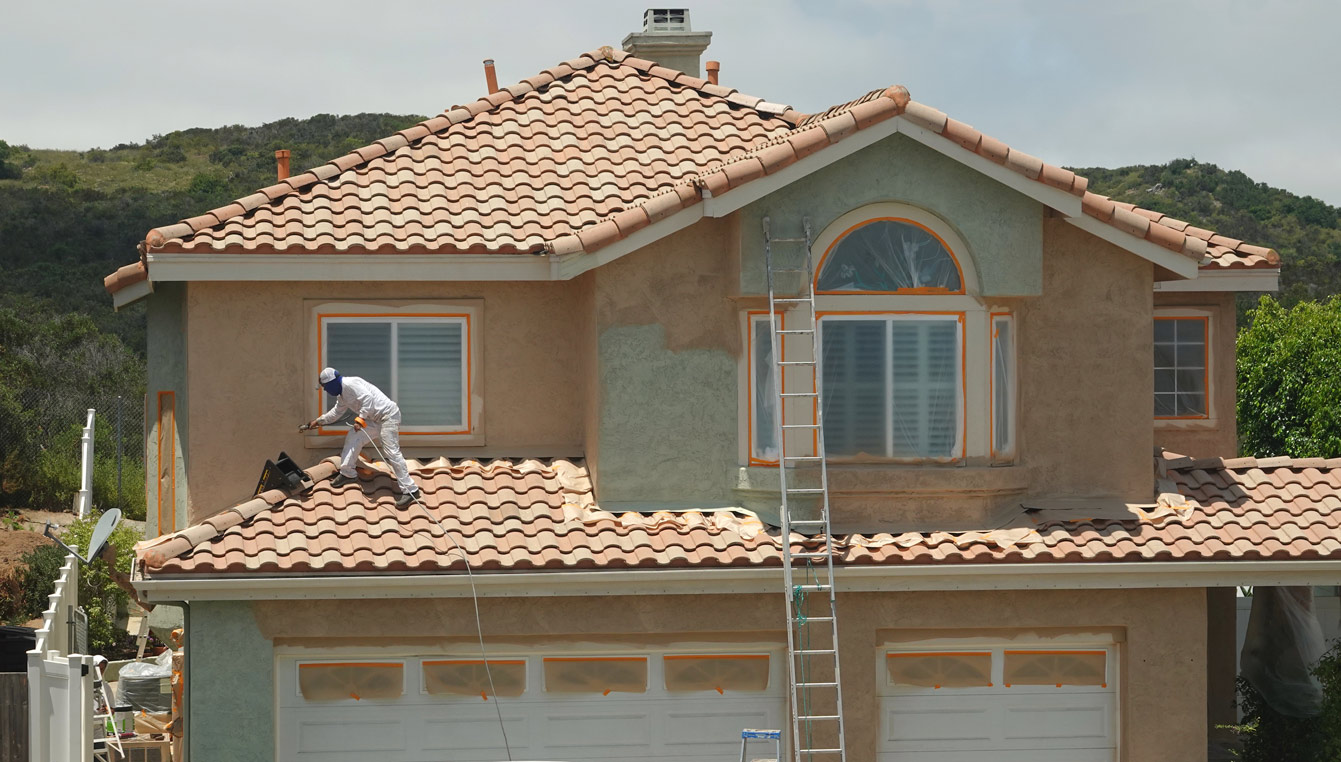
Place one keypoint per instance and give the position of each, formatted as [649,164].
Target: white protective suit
[382,419]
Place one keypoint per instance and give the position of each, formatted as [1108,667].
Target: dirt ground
[14,544]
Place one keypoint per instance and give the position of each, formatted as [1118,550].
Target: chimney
[282,163]
[713,68]
[490,78]
[668,39]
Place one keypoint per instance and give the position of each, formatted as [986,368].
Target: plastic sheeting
[468,677]
[955,669]
[685,673]
[147,685]
[887,256]
[361,680]
[604,675]
[1055,668]
[1283,643]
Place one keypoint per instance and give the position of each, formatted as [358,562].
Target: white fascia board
[132,293]
[350,267]
[1062,576]
[1225,280]
[1066,203]
[1179,264]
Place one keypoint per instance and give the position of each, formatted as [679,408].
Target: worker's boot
[341,480]
[405,498]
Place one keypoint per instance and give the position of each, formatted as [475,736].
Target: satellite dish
[106,525]
[101,533]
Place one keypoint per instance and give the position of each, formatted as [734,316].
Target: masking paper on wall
[468,677]
[716,672]
[358,681]
[1055,668]
[968,669]
[604,675]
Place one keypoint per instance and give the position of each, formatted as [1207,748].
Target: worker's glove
[359,422]
[305,427]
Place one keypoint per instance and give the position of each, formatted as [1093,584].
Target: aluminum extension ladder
[812,668]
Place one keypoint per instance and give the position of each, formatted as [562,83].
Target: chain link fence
[40,432]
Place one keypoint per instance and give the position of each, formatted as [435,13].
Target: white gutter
[851,579]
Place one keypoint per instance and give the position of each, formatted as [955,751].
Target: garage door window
[603,675]
[1056,668]
[468,677]
[342,681]
[966,669]
[686,673]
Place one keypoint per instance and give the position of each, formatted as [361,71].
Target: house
[563,284]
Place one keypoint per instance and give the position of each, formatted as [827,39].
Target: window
[596,674]
[889,255]
[1181,360]
[892,385]
[330,681]
[1003,386]
[946,669]
[420,361]
[763,395]
[469,677]
[686,673]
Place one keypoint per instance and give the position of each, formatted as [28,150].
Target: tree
[1289,371]
[7,170]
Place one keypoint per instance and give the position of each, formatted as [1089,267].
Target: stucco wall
[251,375]
[1085,369]
[230,676]
[999,225]
[1218,437]
[1161,634]
[166,368]
[668,341]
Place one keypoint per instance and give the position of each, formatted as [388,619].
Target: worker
[376,416]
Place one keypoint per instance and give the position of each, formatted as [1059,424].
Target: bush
[1268,736]
[52,479]
[98,594]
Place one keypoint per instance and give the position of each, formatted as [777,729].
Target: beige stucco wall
[1218,437]
[251,377]
[1085,358]
[1161,633]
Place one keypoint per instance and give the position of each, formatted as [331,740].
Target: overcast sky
[1246,85]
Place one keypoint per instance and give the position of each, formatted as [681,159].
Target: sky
[1245,85]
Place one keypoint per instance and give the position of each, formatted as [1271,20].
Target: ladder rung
[814,652]
[789,240]
[816,716]
[799,394]
[789,270]
[817,685]
[796,330]
[814,588]
[820,751]
[802,457]
[805,490]
[810,555]
[797,362]
[800,425]
[798,620]
[807,522]
[789,300]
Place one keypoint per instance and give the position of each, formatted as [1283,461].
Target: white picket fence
[60,683]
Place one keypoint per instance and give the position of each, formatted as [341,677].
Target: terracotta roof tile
[513,515]
[539,164]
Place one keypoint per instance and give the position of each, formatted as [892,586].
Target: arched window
[915,366]
[889,256]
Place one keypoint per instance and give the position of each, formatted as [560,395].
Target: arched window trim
[896,213]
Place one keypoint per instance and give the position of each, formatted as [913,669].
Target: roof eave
[747,580]
[1226,279]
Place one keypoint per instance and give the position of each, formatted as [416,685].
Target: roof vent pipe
[490,78]
[282,163]
[713,67]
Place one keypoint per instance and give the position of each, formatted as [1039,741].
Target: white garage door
[999,703]
[687,706]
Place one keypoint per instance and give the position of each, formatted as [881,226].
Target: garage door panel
[935,721]
[1050,720]
[1028,755]
[708,723]
[471,730]
[325,737]
[595,727]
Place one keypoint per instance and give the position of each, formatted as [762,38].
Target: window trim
[961,433]
[469,310]
[325,319]
[935,291]
[1208,355]
[1007,455]
[752,317]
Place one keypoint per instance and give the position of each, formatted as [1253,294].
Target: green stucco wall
[1002,228]
[231,683]
[166,371]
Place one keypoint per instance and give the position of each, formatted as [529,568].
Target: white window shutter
[429,373]
[360,349]
[855,387]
